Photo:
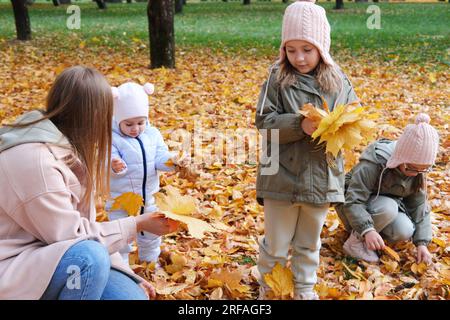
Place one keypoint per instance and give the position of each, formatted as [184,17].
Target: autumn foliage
[213,256]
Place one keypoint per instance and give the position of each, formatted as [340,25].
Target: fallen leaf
[130,202]
[280,280]
[174,202]
[196,227]
[392,253]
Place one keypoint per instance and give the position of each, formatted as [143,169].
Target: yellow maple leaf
[174,202]
[280,280]
[130,202]
[231,279]
[196,227]
[344,128]
[313,113]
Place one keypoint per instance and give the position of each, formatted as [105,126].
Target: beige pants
[299,225]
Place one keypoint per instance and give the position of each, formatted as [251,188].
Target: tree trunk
[285,1]
[101,4]
[129,1]
[65,2]
[22,19]
[55,3]
[161,31]
[339,4]
[178,6]
[246,2]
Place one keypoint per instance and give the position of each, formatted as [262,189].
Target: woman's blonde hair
[80,104]
[327,76]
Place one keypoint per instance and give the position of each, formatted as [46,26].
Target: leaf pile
[220,92]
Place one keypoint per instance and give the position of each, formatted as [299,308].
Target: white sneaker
[356,248]
[306,296]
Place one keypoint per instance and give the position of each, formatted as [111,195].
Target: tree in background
[339,4]
[179,6]
[161,33]
[22,19]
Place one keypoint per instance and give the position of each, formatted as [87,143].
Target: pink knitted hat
[418,144]
[131,100]
[304,20]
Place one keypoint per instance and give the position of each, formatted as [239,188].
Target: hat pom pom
[423,117]
[149,88]
[115,92]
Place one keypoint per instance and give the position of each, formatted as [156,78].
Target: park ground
[223,52]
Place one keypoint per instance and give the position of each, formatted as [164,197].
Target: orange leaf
[392,253]
[130,202]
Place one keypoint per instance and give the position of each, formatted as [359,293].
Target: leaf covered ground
[220,92]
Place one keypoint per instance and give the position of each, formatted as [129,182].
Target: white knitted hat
[304,20]
[131,100]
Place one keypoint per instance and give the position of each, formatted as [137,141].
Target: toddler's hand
[308,126]
[118,165]
[182,161]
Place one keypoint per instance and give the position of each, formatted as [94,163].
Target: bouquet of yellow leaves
[343,128]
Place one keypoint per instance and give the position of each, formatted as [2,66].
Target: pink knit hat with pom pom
[418,144]
[304,20]
[131,100]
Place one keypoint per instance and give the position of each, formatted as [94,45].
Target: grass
[411,32]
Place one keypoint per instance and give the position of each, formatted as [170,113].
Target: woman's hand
[156,223]
[118,165]
[373,240]
[308,126]
[148,289]
[423,255]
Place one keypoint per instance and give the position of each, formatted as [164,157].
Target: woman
[51,163]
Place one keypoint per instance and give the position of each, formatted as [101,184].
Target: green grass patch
[410,32]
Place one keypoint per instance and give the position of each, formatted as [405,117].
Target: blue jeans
[84,273]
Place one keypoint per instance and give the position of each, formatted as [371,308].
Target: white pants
[299,225]
[148,243]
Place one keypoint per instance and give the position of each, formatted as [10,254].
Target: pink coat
[41,217]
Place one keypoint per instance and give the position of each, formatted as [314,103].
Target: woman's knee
[94,255]
[121,287]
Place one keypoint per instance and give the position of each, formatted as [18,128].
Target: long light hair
[80,105]
[327,76]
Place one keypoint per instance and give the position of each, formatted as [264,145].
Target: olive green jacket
[303,174]
[363,181]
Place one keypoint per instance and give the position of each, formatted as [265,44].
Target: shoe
[356,248]
[306,296]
